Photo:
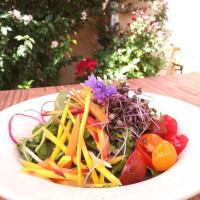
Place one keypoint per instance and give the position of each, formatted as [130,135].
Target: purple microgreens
[100,90]
[128,113]
[119,150]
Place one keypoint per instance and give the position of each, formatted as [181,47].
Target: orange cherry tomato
[163,156]
[150,140]
[145,146]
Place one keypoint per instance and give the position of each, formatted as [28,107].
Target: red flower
[132,33]
[134,19]
[128,24]
[146,30]
[91,69]
[86,66]
[79,74]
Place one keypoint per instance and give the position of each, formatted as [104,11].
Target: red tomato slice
[171,125]
[179,142]
[145,154]
[134,170]
[157,127]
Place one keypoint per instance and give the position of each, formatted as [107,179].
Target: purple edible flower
[99,89]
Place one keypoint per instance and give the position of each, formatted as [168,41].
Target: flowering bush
[35,40]
[136,51]
[84,68]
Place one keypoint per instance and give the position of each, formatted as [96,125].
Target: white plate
[179,182]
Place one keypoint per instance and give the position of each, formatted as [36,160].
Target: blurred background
[54,42]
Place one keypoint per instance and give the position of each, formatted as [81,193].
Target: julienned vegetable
[101,136]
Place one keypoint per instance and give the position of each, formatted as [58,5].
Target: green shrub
[133,52]
[35,41]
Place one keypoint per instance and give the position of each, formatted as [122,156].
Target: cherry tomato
[134,170]
[158,127]
[164,156]
[145,146]
[179,142]
[171,125]
[150,140]
[146,155]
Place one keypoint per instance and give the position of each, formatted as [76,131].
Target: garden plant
[36,41]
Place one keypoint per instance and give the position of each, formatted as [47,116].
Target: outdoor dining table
[185,87]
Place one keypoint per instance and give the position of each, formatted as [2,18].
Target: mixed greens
[99,137]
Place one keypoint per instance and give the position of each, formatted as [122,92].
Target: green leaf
[62,97]
[68,37]
[58,19]
[46,150]
[74,41]
[49,17]
[19,37]
[32,40]
[4,30]
[29,44]
[66,23]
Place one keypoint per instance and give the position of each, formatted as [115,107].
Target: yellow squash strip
[87,185]
[32,173]
[85,91]
[55,112]
[51,163]
[115,160]
[45,165]
[30,164]
[71,116]
[98,160]
[68,183]
[90,185]
[78,96]
[102,177]
[113,179]
[51,137]
[63,120]
[89,162]
[80,139]
[82,165]
[72,177]
[43,172]
[63,126]
[73,105]
[63,161]
[62,140]
[77,101]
